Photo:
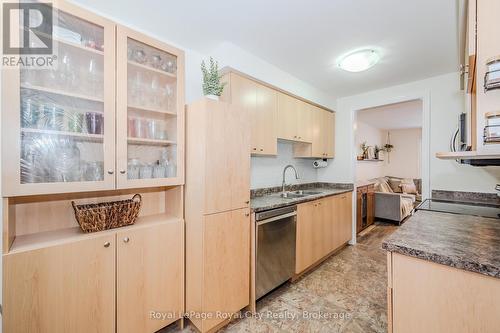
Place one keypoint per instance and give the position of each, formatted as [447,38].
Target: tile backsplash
[268,171]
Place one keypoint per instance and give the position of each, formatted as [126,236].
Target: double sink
[298,194]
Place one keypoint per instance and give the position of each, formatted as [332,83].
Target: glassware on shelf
[161,132]
[67,73]
[131,127]
[52,117]
[154,92]
[75,123]
[139,56]
[67,162]
[156,61]
[146,171]
[133,167]
[151,125]
[169,65]
[139,128]
[95,123]
[30,113]
[159,171]
[167,95]
[94,171]
[93,79]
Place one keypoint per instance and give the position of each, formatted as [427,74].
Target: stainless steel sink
[298,194]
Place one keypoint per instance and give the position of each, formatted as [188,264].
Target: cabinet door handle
[261,149]
[126,240]
[255,149]
[247,202]
[111,171]
[123,172]
[107,244]
[247,214]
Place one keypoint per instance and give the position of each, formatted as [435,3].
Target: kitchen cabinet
[150,117]
[322,146]
[217,211]
[78,276]
[275,114]
[294,119]
[99,119]
[261,104]
[488,100]
[226,257]
[150,277]
[450,299]
[58,289]
[323,226]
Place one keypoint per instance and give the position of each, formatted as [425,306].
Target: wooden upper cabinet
[58,134]
[261,104]
[265,133]
[149,276]
[220,167]
[304,121]
[150,111]
[63,288]
[287,117]
[329,133]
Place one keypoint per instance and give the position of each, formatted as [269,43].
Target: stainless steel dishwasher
[275,246]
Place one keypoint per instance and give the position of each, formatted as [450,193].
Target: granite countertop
[466,242]
[269,198]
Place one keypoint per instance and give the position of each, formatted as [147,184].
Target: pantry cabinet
[107,115]
[217,212]
[323,226]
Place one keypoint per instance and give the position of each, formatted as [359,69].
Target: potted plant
[377,151]
[364,150]
[212,87]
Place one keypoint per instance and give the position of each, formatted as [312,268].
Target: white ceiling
[417,38]
[393,116]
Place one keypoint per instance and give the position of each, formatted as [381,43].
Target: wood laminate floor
[347,293]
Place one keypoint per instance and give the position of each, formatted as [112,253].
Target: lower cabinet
[58,289]
[425,296]
[218,268]
[150,277]
[91,284]
[323,226]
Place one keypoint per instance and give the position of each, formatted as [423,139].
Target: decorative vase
[214,97]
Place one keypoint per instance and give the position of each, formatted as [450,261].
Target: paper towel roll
[320,164]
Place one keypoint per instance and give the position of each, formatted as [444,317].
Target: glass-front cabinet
[58,121]
[150,111]
[108,114]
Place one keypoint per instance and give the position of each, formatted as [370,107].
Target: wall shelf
[370,160]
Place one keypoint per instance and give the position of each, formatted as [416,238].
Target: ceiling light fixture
[359,61]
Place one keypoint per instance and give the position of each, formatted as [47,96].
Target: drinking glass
[146,172]
[139,56]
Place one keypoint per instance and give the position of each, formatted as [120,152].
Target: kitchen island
[444,274]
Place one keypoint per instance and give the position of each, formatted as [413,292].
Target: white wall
[372,136]
[268,171]
[405,159]
[446,102]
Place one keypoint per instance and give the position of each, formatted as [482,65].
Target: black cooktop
[463,208]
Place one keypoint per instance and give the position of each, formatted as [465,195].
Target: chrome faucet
[284,173]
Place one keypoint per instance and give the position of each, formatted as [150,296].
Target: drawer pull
[107,244]
[126,240]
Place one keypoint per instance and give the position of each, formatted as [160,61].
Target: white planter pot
[214,97]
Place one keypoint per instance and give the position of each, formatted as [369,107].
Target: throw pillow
[384,187]
[395,185]
[409,188]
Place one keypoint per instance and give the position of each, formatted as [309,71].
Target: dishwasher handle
[276,218]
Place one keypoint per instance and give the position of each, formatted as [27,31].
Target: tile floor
[347,292]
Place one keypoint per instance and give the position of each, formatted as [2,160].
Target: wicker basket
[107,215]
